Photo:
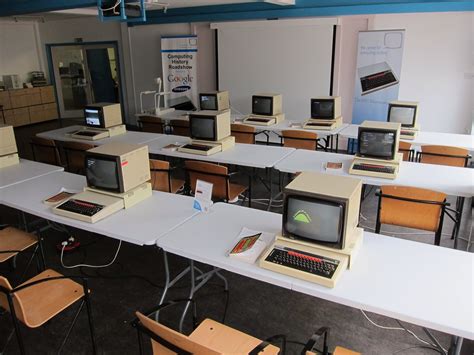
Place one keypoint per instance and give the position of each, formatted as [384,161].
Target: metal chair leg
[74,320]
[16,325]
[89,317]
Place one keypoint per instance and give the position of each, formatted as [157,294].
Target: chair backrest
[443,155]
[405,149]
[300,139]
[172,337]
[212,173]
[19,310]
[75,153]
[160,175]
[180,127]
[410,212]
[151,124]
[45,151]
[243,133]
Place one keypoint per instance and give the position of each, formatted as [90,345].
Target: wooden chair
[209,338]
[45,151]
[219,176]
[14,241]
[323,333]
[443,155]
[180,127]
[405,149]
[243,133]
[41,298]
[411,207]
[150,124]
[300,139]
[161,177]
[75,156]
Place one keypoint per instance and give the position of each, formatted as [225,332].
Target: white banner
[379,63]
[179,58]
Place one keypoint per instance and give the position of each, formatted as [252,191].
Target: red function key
[299,255]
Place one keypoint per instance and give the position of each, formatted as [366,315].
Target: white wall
[437,67]
[20,52]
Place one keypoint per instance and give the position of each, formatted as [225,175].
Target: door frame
[113,44]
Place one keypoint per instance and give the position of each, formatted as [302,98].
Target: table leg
[457,226]
[271,190]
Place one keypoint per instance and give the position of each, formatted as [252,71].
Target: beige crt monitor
[374,158]
[103,115]
[132,162]
[8,147]
[326,107]
[405,113]
[214,100]
[321,200]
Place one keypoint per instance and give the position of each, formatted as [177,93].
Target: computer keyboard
[259,119]
[81,207]
[377,80]
[87,133]
[374,168]
[318,124]
[303,261]
[200,147]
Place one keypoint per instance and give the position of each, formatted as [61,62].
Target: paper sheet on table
[250,244]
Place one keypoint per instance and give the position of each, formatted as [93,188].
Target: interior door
[84,74]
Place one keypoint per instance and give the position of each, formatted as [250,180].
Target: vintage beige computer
[118,177]
[214,101]
[267,110]
[102,120]
[377,150]
[210,133]
[320,237]
[8,148]
[405,113]
[325,113]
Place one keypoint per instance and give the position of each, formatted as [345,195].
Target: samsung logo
[181,88]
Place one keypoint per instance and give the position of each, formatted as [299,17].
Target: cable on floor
[402,327]
[64,244]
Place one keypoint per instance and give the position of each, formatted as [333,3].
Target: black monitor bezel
[378,130]
[412,125]
[272,98]
[210,94]
[324,200]
[194,115]
[319,117]
[100,111]
[119,171]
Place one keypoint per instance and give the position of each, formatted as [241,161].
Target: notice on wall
[179,59]
[379,63]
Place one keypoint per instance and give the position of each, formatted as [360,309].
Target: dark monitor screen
[323,109]
[92,117]
[208,102]
[378,144]
[313,219]
[262,105]
[202,127]
[405,115]
[102,173]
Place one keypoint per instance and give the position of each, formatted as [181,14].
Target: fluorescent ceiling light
[280,2]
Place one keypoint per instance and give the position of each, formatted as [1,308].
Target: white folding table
[141,224]
[63,135]
[465,141]
[25,170]
[406,280]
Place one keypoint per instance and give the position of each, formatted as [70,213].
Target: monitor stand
[261,120]
[9,160]
[323,125]
[201,147]
[409,133]
[386,169]
[106,203]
